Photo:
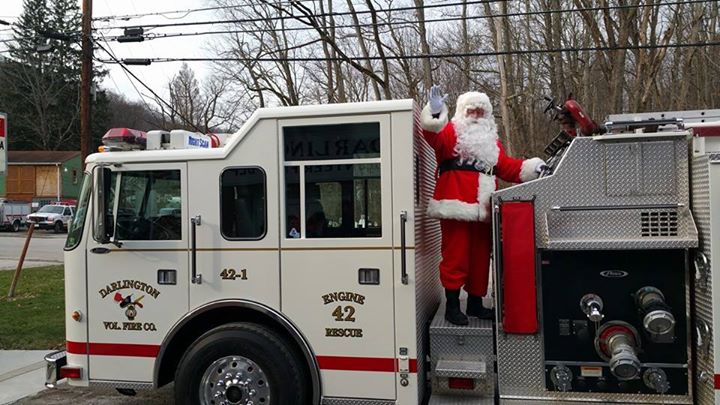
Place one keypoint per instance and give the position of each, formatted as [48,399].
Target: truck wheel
[16,225]
[58,227]
[240,363]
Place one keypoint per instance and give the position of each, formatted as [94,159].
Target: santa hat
[473,99]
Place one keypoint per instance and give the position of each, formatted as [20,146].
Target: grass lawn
[34,318]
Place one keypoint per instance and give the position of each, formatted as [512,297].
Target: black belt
[454,164]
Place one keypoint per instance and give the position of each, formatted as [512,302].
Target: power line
[444,56]
[402,23]
[290,17]
[132,83]
[186,12]
[157,97]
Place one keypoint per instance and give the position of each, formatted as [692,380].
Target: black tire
[262,346]
[58,227]
[16,225]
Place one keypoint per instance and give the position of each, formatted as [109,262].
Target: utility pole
[85,79]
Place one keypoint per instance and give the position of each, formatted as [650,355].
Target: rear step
[462,361]
[460,369]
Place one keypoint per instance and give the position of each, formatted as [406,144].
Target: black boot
[475,308]
[453,314]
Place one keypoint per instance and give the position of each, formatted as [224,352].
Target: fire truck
[293,263]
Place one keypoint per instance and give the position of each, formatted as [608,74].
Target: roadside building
[42,176]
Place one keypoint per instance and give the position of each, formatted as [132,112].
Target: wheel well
[193,328]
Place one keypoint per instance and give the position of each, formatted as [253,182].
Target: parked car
[12,214]
[56,216]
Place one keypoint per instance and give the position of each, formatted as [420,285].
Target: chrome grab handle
[195,222]
[403,247]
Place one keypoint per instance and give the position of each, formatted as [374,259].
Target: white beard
[477,141]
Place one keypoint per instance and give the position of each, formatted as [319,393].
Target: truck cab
[284,246]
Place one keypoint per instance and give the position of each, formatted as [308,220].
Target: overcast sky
[156,75]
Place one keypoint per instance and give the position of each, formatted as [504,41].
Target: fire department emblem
[129,304]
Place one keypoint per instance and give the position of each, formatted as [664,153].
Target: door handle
[403,248]
[100,250]
[369,276]
[194,223]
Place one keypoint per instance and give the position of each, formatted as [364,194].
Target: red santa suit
[470,157]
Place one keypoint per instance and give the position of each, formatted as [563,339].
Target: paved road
[45,248]
[74,395]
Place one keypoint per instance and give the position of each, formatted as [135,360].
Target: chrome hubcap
[233,380]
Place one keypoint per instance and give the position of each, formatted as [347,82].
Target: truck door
[336,249]
[138,286]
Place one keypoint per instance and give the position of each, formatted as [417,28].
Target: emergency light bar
[125,139]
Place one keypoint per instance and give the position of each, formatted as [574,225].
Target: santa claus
[469,157]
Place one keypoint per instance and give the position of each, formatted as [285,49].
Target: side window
[243,203]
[67,211]
[337,170]
[149,206]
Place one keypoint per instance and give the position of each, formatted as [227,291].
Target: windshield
[75,230]
[52,209]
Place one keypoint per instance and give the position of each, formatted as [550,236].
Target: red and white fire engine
[293,263]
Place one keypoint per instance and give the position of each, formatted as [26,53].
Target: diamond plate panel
[475,327]
[657,165]
[520,364]
[703,293]
[614,225]
[458,400]
[460,369]
[596,400]
[354,401]
[121,384]
[580,182]
[473,342]
[621,177]
[427,251]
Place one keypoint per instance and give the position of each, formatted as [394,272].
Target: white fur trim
[477,141]
[453,209]
[462,211]
[527,170]
[486,186]
[428,123]
[473,99]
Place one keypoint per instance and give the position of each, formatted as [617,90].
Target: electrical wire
[149,89]
[290,17]
[444,56]
[132,83]
[186,12]
[399,24]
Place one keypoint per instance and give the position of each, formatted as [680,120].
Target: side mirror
[101,180]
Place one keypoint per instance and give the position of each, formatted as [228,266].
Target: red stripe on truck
[383,364]
[717,381]
[706,131]
[378,364]
[113,349]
